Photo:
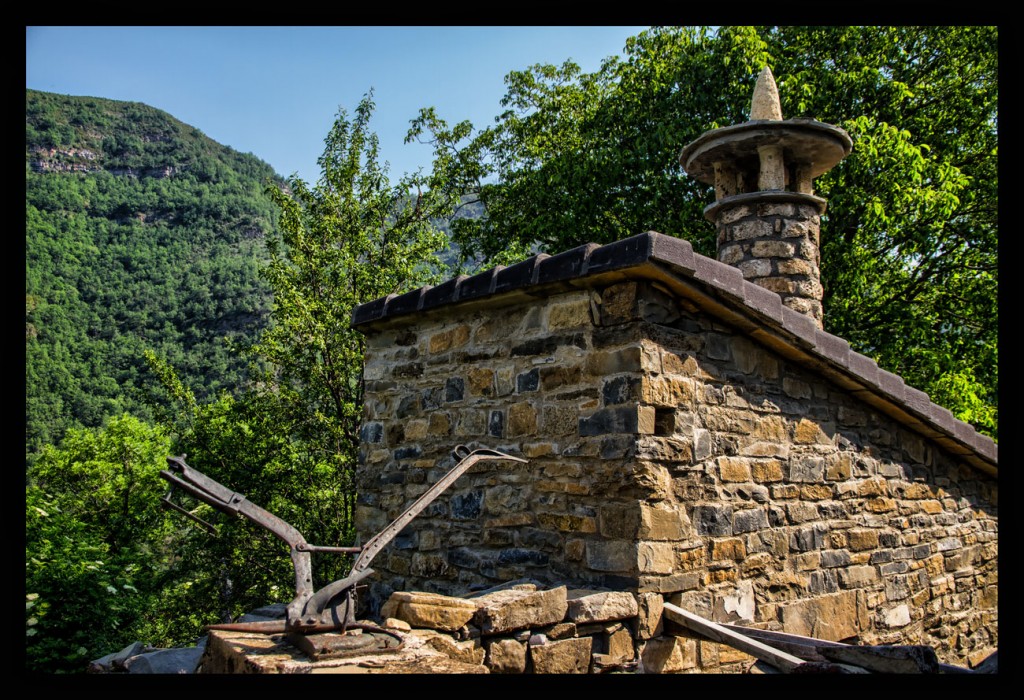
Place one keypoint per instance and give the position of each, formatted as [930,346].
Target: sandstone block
[620,645]
[564,656]
[480,381]
[522,419]
[468,652]
[448,339]
[830,617]
[648,618]
[734,469]
[613,555]
[656,557]
[733,548]
[859,539]
[662,522]
[669,655]
[567,523]
[510,610]
[569,315]
[506,656]
[766,470]
[429,610]
[586,606]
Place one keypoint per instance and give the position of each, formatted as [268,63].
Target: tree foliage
[95,542]
[909,241]
[350,238]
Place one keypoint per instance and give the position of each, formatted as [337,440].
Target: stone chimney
[767,216]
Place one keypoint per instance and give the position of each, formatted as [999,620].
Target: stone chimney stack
[767,216]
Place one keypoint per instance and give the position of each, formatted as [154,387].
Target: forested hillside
[141,232]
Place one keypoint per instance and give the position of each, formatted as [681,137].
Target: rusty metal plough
[322,622]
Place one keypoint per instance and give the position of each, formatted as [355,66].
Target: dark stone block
[406,303]
[722,277]
[444,293]
[454,389]
[719,347]
[617,446]
[408,406]
[370,311]
[565,266]
[612,336]
[391,478]
[528,381]
[548,344]
[800,325]
[882,556]
[629,251]
[749,520]
[888,539]
[405,339]
[763,301]
[479,285]
[808,538]
[523,556]
[620,390]
[496,424]
[408,452]
[776,517]
[463,558]
[532,537]
[610,420]
[714,520]
[408,371]
[824,582]
[407,541]
[519,275]
[372,432]
[467,506]
[834,557]
[615,582]
[431,398]
[832,347]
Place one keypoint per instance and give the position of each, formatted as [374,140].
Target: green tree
[351,238]
[94,543]
[909,242]
[289,442]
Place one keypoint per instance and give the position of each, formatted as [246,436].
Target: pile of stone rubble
[521,627]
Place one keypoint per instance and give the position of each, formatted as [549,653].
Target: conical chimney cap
[765,102]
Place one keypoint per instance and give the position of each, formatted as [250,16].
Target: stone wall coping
[721,290]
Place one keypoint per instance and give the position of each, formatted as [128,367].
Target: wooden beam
[712,630]
[809,648]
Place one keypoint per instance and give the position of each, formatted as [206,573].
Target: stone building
[692,432]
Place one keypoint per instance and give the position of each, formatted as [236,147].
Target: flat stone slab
[429,610]
[599,606]
[510,610]
[250,653]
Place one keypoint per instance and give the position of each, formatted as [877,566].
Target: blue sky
[274,91]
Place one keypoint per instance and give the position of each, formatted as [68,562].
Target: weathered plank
[712,630]
[808,648]
[805,648]
[886,659]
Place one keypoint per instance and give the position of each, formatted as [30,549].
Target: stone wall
[669,456]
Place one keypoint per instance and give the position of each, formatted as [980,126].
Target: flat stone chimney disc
[805,142]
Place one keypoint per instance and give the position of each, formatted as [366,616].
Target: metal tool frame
[332,607]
